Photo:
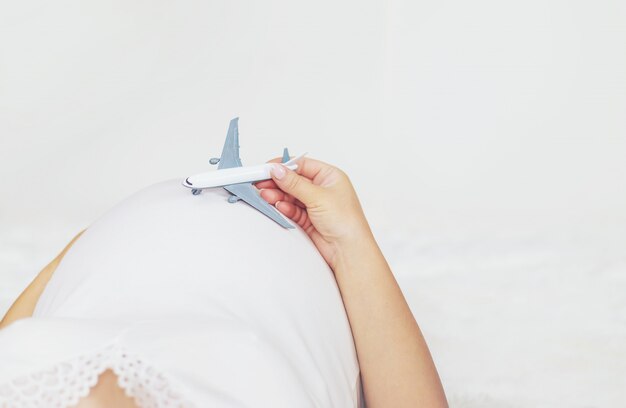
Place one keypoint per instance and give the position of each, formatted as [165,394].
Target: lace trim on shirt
[66,383]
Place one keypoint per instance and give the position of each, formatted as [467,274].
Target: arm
[24,305]
[396,367]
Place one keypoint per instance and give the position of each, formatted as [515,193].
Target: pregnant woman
[177,300]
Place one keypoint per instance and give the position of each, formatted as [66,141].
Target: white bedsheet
[516,319]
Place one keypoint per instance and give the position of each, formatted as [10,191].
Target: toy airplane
[237,179]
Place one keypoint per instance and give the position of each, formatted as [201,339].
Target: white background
[486,140]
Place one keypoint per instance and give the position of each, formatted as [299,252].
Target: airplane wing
[230,152]
[248,193]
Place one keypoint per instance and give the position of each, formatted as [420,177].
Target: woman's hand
[320,199]
[396,367]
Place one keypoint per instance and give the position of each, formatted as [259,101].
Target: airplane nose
[187,182]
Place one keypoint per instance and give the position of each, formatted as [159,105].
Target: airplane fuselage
[234,175]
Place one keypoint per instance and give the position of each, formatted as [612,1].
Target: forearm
[396,367]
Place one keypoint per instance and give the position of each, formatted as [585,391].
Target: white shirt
[191,301]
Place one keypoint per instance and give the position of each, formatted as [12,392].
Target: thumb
[294,184]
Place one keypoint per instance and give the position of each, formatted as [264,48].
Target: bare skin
[397,369]
[106,392]
[24,305]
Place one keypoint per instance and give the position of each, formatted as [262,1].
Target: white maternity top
[191,301]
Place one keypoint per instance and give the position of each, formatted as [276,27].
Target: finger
[310,168]
[307,167]
[293,212]
[266,184]
[296,185]
[307,226]
[298,202]
[274,195]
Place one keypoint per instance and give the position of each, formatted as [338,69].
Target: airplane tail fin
[285,155]
[294,160]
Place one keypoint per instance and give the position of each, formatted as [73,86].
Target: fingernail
[278,171]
